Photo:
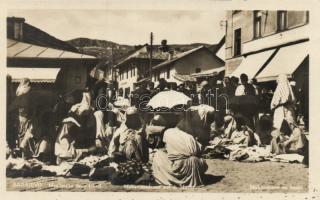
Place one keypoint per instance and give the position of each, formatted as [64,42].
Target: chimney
[170,55]
[15,27]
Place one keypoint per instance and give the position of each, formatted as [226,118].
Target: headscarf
[283,92]
[196,123]
[132,118]
[24,87]
[84,105]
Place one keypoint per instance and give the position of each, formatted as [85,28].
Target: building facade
[178,68]
[48,62]
[257,39]
[134,68]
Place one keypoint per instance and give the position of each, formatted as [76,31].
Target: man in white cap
[204,92]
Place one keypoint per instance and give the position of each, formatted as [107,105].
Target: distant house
[45,60]
[136,67]
[178,68]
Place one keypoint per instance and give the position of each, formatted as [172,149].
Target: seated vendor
[129,140]
[265,129]
[243,134]
[180,163]
[77,135]
[155,131]
[293,141]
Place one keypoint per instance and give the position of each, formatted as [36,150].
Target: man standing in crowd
[246,89]
[204,93]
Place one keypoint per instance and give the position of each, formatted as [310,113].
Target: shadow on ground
[211,179]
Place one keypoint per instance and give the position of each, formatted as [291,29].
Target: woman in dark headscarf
[32,140]
[77,135]
[129,140]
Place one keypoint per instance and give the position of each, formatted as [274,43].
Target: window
[198,70]
[237,42]
[126,92]
[257,24]
[127,73]
[282,20]
[168,72]
[120,92]
[157,76]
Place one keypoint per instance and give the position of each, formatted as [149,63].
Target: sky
[130,27]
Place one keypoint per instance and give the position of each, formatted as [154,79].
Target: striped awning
[36,75]
[286,61]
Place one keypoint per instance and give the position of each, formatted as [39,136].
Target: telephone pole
[151,49]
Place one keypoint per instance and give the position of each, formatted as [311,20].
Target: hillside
[105,49]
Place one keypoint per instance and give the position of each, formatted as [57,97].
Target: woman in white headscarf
[24,87]
[180,163]
[283,102]
[197,122]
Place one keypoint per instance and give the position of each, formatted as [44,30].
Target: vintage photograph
[157,101]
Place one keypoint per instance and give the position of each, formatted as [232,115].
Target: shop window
[237,42]
[282,20]
[257,24]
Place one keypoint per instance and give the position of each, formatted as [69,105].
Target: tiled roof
[144,54]
[177,57]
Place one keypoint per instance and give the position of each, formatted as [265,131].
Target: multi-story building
[180,67]
[264,44]
[134,68]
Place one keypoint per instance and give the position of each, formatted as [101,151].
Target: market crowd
[231,111]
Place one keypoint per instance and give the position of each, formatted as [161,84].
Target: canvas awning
[251,64]
[143,80]
[211,72]
[184,78]
[286,61]
[38,75]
